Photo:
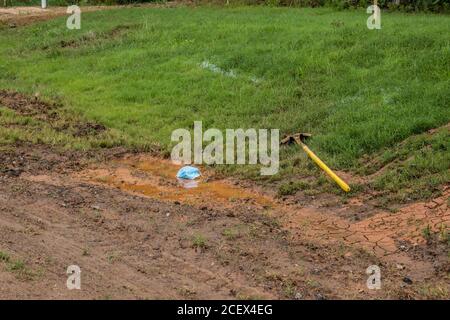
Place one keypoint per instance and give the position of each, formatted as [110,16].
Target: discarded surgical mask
[188,172]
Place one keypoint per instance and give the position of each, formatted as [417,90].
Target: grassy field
[369,97]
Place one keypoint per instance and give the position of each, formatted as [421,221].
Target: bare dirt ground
[137,233]
[19,16]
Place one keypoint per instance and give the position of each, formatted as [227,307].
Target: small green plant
[312,283]
[199,242]
[18,267]
[444,233]
[426,232]
[187,292]
[4,257]
[112,257]
[438,291]
[292,187]
[230,234]
[289,288]
[253,230]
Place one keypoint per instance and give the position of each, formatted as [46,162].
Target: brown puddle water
[156,178]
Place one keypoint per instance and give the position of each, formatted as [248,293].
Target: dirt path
[19,16]
[136,233]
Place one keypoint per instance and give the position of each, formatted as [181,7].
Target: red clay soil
[136,233]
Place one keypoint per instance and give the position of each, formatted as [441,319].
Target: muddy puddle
[156,178]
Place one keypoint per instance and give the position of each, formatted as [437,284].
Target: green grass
[292,187]
[18,267]
[199,241]
[4,257]
[231,233]
[360,92]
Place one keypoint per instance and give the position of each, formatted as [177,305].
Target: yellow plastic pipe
[325,168]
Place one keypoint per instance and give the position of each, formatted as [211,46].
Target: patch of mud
[378,233]
[40,160]
[88,128]
[119,219]
[155,178]
[48,112]
[81,129]
[28,106]
[435,251]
